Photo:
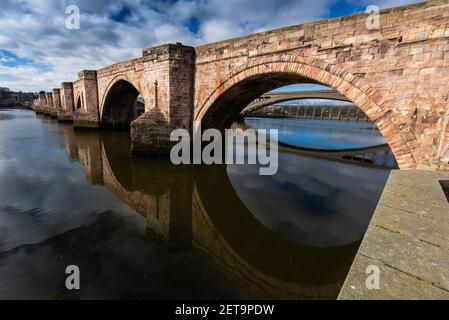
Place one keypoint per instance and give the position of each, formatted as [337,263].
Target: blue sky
[37,52]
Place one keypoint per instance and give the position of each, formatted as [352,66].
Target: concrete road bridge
[397,75]
[271,98]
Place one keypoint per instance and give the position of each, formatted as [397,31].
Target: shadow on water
[204,234]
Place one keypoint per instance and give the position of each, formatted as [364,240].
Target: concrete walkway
[407,239]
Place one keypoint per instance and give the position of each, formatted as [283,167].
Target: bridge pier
[56,97]
[173,104]
[67,102]
[42,102]
[50,110]
[87,113]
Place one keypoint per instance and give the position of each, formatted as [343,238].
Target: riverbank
[407,241]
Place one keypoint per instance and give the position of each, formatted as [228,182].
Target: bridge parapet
[119,67]
[173,68]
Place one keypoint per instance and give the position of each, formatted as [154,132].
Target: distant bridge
[351,112]
[271,98]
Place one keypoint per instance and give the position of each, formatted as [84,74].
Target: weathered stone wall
[67,102]
[42,102]
[49,109]
[398,74]
[169,71]
[130,71]
[35,105]
[181,73]
[56,97]
[149,75]
[87,88]
[78,96]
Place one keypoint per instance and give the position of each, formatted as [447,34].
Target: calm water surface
[147,229]
[321,134]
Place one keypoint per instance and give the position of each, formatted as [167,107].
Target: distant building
[10,98]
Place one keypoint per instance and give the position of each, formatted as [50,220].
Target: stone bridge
[397,75]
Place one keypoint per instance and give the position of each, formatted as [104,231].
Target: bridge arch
[244,84]
[118,104]
[79,102]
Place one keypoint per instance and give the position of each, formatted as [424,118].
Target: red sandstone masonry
[171,69]
[50,109]
[67,102]
[403,69]
[397,75]
[87,91]
[56,97]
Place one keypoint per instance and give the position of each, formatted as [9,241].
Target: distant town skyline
[38,51]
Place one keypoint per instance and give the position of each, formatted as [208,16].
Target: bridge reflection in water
[184,209]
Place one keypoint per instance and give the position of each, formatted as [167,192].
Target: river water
[144,228]
[321,134]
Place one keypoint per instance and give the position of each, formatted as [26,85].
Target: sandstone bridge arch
[244,84]
[118,104]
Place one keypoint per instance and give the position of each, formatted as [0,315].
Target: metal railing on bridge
[311,112]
